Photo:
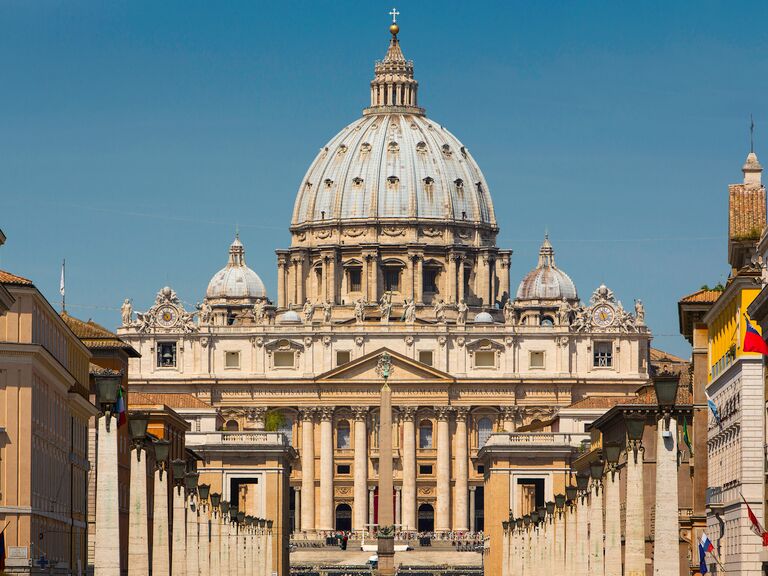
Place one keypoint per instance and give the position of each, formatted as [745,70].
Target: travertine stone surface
[179,538]
[666,553]
[160,551]
[634,547]
[107,553]
[612,524]
[596,531]
[138,533]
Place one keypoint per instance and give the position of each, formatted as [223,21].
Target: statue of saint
[259,312]
[359,311]
[510,314]
[327,308]
[205,312]
[127,312]
[409,310]
[462,310]
[639,313]
[564,313]
[385,307]
[309,311]
[439,309]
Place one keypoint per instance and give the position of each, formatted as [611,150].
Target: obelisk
[386,532]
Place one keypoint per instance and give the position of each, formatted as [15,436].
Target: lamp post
[224,537]
[634,532]
[203,525]
[138,531]
[582,527]
[558,563]
[250,543]
[666,557]
[193,543]
[268,553]
[107,538]
[234,552]
[571,496]
[161,565]
[179,533]
[612,452]
[215,521]
[596,530]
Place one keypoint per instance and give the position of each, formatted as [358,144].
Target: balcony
[245,439]
[715,498]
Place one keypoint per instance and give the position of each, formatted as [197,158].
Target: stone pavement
[419,557]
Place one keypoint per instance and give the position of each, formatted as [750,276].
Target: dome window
[429,183]
[328,182]
[342,149]
[357,181]
[393,147]
[464,151]
[393,180]
[421,147]
[459,183]
[365,147]
[447,150]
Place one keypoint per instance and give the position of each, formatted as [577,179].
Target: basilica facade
[393,249]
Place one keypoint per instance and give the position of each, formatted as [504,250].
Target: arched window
[342,435]
[484,429]
[232,426]
[425,434]
[547,321]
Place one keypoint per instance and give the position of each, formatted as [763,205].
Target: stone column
[268,554]
[409,288]
[508,418]
[326,468]
[612,524]
[250,544]
[179,554]
[360,469]
[307,416]
[385,543]
[558,542]
[332,288]
[107,538]
[300,295]
[443,508]
[138,532]
[505,553]
[596,531]
[204,543]
[634,531]
[460,282]
[241,550]
[297,510]
[234,550]
[450,281]
[398,501]
[418,282]
[193,566]
[281,266]
[570,539]
[366,279]
[371,505]
[462,473]
[582,537]
[161,564]
[472,508]
[666,553]
[483,272]
[224,531]
[408,413]
[502,271]
[215,563]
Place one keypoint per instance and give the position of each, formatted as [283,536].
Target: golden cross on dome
[394,15]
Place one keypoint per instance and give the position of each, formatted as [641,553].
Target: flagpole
[61,284]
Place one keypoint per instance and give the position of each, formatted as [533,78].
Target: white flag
[61,284]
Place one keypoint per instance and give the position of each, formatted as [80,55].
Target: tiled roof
[8,278]
[599,402]
[702,297]
[96,336]
[661,356]
[170,400]
[746,211]
[647,395]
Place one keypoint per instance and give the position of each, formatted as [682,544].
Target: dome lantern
[235,281]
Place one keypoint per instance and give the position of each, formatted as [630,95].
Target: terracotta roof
[647,395]
[661,356]
[702,297]
[599,402]
[8,278]
[746,211]
[170,400]
[96,336]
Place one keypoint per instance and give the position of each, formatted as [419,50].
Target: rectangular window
[342,357]
[231,359]
[603,354]
[392,279]
[430,280]
[425,469]
[354,277]
[284,359]
[425,357]
[343,469]
[536,359]
[485,359]
[480,469]
[166,354]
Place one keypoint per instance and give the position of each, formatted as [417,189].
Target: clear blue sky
[135,135]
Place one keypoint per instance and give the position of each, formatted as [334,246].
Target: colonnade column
[634,531]
[307,417]
[215,563]
[107,538]
[582,536]
[192,541]
[300,295]
[596,531]
[326,468]
[462,472]
[398,505]
[472,508]
[371,504]
[612,523]
[297,510]
[224,531]
[179,537]
[450,293]
[418,281]
[203,540]
[234,549]
[408,413]
[443,508]
[138,533]
[409,284]
[360,469]
[570,539]
[460,282]
[281,271]
[666,553]
[160,551]
[558,542]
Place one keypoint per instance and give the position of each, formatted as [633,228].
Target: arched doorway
[426,518]
[344,517]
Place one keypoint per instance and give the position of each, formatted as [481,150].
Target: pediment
[406,369]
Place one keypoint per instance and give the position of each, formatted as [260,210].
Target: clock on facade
[167,316]
[603,315]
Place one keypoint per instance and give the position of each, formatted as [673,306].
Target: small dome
[546,281]
[483,318]
[289,317]
[236,280]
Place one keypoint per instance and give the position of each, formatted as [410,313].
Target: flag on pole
[753,342]
[705,546]
[121,416]
[756,527]
[687,438]
[713,409]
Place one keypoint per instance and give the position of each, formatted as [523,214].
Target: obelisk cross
[394,15]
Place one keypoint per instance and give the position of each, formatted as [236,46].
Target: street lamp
[550,506]
[233,510]
[107,386]
[635,425]
[162,448]
[137,427]
[269,524]
[190,481]
[596,470]
[240,517]
[582,481]
[224,506]
[215,500]
[666,394]
[571,492]
[203,490]
[612,452]
[560,501]
[527,520]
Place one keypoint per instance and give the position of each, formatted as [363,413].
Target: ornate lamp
[527,520]
[582,482]
[162,448]
[269,524]
[535,517]
[233,511]
[612,452]
[542,510]
[137,427]
[203,490]
[571,492]
[107,385]
[215,500]
[596,470]
[519,523]
[240,517]
[224,508]
[635,425]
[190,482]
[666,394]
[179,468]
[505,525]
[560,501]
[550,506]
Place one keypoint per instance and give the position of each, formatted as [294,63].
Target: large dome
[393,164]
[547,281]
[400,166]
[236,280]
